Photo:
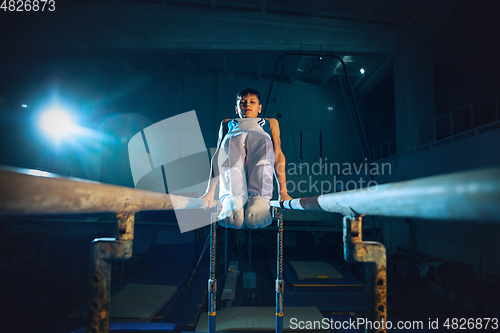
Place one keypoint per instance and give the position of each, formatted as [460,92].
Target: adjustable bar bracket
[374,256]
[102,251]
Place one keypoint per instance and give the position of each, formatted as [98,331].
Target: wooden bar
[26,192]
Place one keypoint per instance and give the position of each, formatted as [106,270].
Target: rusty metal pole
[102,251]
[374,256]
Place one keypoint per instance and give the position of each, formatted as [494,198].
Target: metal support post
[225,251]
[374,256]
[279,286]
[102,251]
[249,250]
[497,112]
[212,282]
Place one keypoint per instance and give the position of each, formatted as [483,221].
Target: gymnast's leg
[260,165]
[233,192]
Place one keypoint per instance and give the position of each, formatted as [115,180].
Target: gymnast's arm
[213,178]
[279,161]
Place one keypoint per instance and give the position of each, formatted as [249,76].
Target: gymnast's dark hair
[248,91]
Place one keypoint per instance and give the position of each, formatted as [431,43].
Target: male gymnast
[248,153]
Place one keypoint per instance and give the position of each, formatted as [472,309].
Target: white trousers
[246,166]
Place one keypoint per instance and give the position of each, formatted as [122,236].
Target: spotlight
[362,71]
[56,123]
[24,106]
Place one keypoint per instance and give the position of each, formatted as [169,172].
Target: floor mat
[140,302]
[245,319]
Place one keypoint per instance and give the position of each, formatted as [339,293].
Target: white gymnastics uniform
[246,160]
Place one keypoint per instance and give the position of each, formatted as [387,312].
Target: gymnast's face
[248,107]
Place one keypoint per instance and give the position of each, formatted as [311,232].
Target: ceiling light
[362,71]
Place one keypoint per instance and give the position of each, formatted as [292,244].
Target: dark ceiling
[84,37]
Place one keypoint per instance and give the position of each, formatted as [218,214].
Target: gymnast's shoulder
[273,122]
[224,123]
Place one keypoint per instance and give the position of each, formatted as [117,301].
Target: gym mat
[130,327]
[314,270]
[140,302]
[246,319]
[291,279]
